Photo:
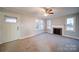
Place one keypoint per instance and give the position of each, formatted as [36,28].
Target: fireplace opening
[57,31]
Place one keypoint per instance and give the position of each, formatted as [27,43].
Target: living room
[39,29]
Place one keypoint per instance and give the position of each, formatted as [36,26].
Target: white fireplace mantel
[59,26]
[55,26]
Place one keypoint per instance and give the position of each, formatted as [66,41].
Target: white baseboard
[7,41]
[71,36]
[23,37]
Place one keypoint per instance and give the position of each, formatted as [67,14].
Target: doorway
[9,29]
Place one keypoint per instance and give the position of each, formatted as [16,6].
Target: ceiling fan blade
[48,10]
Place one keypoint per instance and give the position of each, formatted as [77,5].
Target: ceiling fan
[48,11]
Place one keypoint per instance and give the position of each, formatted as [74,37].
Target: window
[9,19]
[70,24]
[48,24]
[39,24]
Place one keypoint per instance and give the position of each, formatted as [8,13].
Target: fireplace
[57,31]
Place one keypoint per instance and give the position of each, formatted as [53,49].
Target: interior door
[9,29]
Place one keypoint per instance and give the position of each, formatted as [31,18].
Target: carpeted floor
[42,43]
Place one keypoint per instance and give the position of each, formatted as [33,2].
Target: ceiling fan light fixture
[45,14]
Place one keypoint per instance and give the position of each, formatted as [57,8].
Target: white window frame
[73,24]
[10,19]
[49,24]
[39,24]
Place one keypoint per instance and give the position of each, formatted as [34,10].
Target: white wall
[25,23]
[28,27]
